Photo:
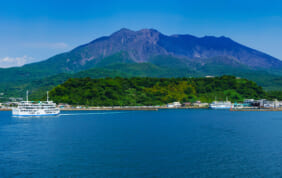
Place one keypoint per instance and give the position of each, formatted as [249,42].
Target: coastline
[150,108]
[118,108]
[5,109]
[258,109]
[129,108]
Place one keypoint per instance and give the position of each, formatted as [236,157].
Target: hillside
[39,87]
[152,91]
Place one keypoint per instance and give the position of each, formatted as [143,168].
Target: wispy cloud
[56,45]
[14,61]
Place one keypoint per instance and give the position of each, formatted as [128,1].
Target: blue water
[165,143]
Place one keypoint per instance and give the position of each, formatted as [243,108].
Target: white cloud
[14,61]
[57,45]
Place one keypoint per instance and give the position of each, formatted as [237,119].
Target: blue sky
[32,30]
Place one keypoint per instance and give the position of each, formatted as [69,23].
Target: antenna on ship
[27,95]
[47,97]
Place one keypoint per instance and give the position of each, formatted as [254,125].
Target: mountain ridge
[146,43]
[143,44]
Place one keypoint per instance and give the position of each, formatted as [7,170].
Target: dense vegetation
[153,91]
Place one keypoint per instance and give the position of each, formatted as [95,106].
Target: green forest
[139,91]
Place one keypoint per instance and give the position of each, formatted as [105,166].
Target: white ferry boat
[39,108]
[221,105]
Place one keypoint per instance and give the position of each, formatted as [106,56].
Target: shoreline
[4,109]
[151,108]
[258,109]
[126,108]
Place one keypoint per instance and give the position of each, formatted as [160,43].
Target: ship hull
[24,115]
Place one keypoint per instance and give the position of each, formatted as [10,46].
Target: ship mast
[47,97]
[27,95]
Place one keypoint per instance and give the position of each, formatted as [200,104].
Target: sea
[164,143]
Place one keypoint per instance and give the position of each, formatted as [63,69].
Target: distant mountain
[166,56]
[126,46]
[143,45]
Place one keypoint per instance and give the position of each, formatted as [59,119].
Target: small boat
[221,104]
[39,108]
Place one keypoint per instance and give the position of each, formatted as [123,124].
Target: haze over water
[166,143]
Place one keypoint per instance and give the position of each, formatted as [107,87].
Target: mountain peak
[145,44]
[123,31]
[146,31]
